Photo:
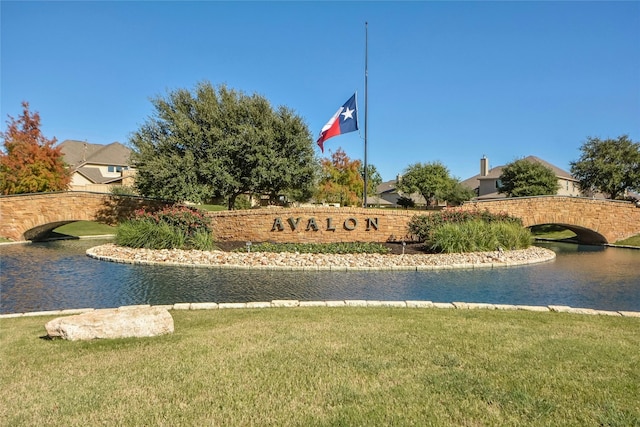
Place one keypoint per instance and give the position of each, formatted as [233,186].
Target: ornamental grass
[170,228]
[479,236]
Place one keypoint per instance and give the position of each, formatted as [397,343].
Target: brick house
[97,167]
[486,183]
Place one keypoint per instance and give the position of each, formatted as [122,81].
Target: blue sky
[448,81]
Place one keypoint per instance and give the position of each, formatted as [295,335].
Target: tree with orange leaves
[341,180]
[29,162]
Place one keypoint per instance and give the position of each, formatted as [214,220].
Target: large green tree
[523,178]
[218,142]
[374,179]
[610,166]
[433,181]
[458,193]
[30,162]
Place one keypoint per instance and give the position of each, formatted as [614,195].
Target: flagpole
[366,121]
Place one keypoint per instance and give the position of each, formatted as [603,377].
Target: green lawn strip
[340,366]
[85,228]
[631,241]
[551,231]
[212,208]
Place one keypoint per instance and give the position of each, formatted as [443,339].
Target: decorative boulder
[112,323]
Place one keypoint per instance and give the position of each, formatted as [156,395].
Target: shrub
[202,240]
[242,202]
[512,236]
[175,227]
[406,202]
[142,233]
[479,236]
[422,226]
[123,190]
[187,219]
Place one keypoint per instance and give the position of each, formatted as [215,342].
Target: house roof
[95,175]
[386,187]
[79,153]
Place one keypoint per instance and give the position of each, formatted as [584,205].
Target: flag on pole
[343,121]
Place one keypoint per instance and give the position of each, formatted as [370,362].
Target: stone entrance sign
[312,225]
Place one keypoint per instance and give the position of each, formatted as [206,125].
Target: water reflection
[48,276]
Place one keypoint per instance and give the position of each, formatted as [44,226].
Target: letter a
[311,225]
[277,225]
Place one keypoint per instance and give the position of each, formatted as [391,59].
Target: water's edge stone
[123,322]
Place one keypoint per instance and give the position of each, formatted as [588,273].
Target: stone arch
[583,235]
[30,216]
[39,232]
[595,221]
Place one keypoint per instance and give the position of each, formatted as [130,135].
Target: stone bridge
[594,221]
[29,217]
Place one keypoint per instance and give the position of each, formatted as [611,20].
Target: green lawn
[78,229]
[331,366]
[551,231]
[557,232]
[631,241]
[85,228]
[212,207]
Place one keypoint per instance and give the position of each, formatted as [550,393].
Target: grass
[477,235]
[341,366]
[631,241]
[78,229]
[551,231]
[557,232]
[213,208]
[85,228]
[148,234]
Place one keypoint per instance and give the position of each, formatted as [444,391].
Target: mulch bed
[396,248]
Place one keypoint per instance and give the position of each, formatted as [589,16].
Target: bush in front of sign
[170,228]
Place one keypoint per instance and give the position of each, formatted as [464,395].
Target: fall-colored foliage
[30,163]
[340,180]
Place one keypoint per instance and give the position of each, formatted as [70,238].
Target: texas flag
[343,121]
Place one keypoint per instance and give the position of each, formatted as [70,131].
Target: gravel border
[319,262]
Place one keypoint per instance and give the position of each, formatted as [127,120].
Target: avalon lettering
[349,224]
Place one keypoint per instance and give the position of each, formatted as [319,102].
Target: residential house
[387,196]
[97,167]
[487,182]
[485,185]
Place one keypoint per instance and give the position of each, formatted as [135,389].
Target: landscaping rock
[112,323]
[304,261]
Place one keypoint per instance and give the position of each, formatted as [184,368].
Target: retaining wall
[318,225]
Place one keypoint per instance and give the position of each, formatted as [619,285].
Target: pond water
[58,275]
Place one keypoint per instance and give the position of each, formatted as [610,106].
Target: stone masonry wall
[24,217]
[318,224]
[615,220]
